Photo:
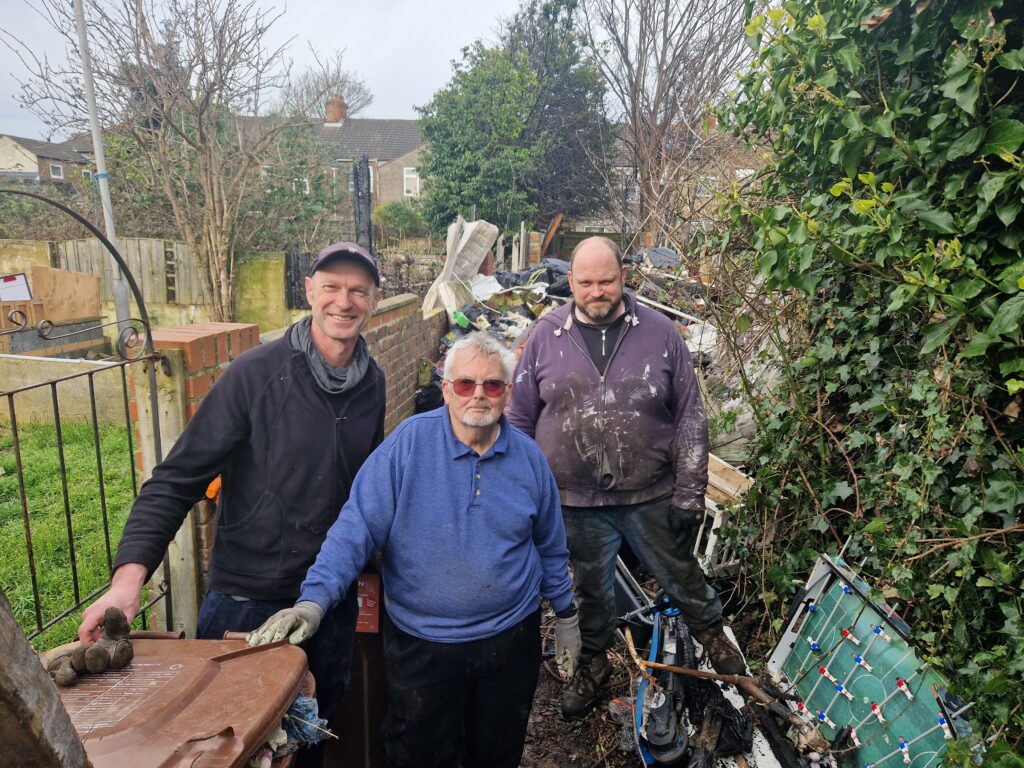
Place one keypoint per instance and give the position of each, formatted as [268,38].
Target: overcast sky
[402,48]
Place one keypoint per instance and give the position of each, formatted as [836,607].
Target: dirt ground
[596,741]
[553,742]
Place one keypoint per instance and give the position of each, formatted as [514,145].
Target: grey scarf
[332,380]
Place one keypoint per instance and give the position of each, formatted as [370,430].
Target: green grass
[47,520]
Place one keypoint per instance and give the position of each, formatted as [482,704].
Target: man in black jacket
[286,427]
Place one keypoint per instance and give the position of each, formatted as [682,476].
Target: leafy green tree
[399,218]
[516,130]
[891,223]
[568,112]
[476,154]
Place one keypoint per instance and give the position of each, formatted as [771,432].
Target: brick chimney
[335,110]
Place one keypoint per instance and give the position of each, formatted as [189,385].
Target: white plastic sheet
[466,247]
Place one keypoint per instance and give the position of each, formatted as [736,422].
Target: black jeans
[465,704]
[663,546]
[329,651]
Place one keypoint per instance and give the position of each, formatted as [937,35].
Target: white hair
[485,344]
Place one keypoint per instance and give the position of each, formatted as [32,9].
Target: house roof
[377,139]
[48,149]
[80,142]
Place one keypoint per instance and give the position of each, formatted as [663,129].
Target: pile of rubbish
[507,303]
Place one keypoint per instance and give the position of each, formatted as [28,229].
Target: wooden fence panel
[147,258]
[190,284]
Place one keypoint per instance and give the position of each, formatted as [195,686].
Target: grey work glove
[298,623]
[568,644]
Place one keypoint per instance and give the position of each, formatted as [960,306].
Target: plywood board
[33,311]
[66,295]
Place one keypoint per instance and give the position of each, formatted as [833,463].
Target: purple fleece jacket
[635,434]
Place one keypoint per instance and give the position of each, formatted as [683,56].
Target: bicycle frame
[664,627]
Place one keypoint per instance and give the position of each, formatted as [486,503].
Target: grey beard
[480,421]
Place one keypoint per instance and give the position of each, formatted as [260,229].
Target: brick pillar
[206,348]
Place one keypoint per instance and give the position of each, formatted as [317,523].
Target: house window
[411,182]
[87,174]
[301,185]
[56,171]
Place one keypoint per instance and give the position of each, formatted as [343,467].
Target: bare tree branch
[199,97]
[666,64]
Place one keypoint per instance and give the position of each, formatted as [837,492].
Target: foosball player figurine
[877,712]
[905,749]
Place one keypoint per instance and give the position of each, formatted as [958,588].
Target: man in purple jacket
[606,387]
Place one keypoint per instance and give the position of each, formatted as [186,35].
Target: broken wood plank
[33,722]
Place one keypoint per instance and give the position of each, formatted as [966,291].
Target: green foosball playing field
[853,664]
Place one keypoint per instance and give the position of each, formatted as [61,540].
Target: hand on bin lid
[298,624]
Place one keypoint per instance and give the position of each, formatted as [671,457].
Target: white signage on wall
[15,288]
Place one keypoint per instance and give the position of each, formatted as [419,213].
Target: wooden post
[35,729]
[524,248]
[182,551]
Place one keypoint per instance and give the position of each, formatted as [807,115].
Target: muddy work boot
[585,686]
[724,656]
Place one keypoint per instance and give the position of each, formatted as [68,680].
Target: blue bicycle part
[641,693]
[661,729]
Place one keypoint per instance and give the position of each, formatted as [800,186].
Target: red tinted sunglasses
[467,387]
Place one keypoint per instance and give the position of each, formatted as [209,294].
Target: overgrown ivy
[891,211]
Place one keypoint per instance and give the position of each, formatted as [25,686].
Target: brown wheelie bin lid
[195,703]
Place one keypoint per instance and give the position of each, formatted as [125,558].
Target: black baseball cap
[350,251]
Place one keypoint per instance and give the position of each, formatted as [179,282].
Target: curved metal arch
[136,292]
[139,302]
[123,337]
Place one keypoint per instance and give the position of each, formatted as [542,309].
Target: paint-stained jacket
[635,434]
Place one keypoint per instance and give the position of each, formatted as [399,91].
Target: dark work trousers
[666,549]
[329,651]
[452,704]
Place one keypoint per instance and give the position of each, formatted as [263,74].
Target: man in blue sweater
[466,514]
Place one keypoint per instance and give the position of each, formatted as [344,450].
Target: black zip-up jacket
[287,453]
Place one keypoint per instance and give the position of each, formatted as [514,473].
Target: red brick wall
[400,340]
[207,348]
